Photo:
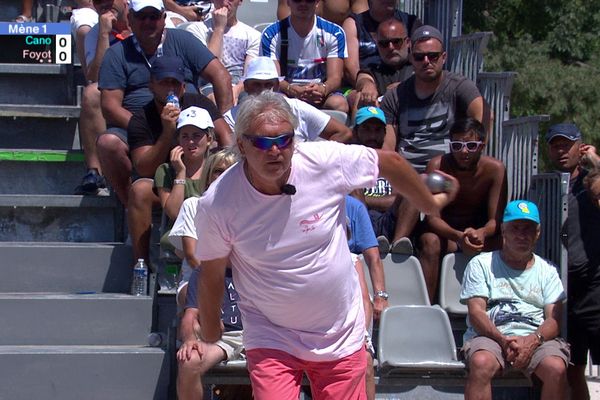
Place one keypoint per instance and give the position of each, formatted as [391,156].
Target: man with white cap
[125,75]
[262,75]
[151,136]
[515,305]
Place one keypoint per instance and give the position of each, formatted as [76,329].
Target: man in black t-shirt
[151,136]
[581,230]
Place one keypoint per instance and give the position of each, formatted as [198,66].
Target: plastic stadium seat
[404,280]
[453,269]
[416,339]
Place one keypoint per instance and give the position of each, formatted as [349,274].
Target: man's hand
[176,159]
[296,91]
[220,18]
[188,347]
[472,241]
[589,156]
[169,116]
[523,348]
[106,21]
[315,94]
[368,95]
[379,304]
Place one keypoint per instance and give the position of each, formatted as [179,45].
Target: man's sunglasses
[395,42]
[267,142]
[458,145]
[432,56]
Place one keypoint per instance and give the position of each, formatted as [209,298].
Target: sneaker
[402,246]
[92,184]
[384,244]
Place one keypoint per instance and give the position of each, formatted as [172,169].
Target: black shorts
[583,336]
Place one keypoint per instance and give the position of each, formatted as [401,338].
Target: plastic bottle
[139,284]
[437,183]
[173,99]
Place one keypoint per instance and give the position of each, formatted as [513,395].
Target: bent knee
[111,143]
[337,102]
[483,364]
[551,369]
[430,243]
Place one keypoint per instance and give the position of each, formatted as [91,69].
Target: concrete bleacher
[69,330]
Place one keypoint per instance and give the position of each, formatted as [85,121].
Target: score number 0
[63,49]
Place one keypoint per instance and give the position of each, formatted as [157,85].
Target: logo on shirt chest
[310,224]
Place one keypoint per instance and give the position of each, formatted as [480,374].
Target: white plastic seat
[416,340]
[451,276]
[404,280]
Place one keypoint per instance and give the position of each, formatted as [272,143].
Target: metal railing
[495,87]
[518,150]
[466,54]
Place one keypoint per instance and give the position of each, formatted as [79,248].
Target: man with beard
[394,68]
[470,223]
[421,110]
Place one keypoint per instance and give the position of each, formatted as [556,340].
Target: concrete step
[40,171]
[74,319]
[60,218]
[65,267]
[37,84]
[39,111]
[78,372]
[39,132]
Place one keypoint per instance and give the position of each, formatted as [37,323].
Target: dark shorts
[583,336]
[384,223]
[555,347]
[119,132]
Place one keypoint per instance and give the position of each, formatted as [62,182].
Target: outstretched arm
[210,295]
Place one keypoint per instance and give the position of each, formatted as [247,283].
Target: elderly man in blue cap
[515,304]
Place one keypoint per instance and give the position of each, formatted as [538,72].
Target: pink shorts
[277,375]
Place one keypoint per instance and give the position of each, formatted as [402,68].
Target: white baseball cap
[261,68]
[195,116]
[138,5]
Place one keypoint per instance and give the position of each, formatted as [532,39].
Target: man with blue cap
[568,153]
[515,305]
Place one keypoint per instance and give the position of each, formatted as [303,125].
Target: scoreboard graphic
[35,43]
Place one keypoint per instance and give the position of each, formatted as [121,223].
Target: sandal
[23,18]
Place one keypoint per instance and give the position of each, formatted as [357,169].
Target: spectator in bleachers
[313,123]
[309,52]
[421,110]
[332,10]
[195,356]
[233,42]
[582,230]
[283,231]
[381,199]
[188,10]
[83,18]
[151,136]
[26,11]
[393,68]
[124,78]
[363,246]
[183,234]
[361,35]
[515,303]
[112,28]
[471,223]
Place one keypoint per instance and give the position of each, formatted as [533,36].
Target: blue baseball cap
[168,67]
[521,209]
[365,113]
[569,131]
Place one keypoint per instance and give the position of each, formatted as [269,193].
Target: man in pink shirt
[278,217]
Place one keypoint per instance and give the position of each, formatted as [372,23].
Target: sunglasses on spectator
[458,145]
[151,16]
[432,56]
[267,142]
[394,41]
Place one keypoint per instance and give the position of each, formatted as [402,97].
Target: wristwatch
[383,294]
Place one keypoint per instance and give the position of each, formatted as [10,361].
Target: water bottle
[173,99]
[139,285]
[437,183]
